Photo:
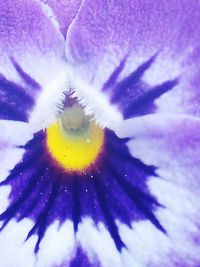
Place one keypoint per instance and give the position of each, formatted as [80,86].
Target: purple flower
[99,141]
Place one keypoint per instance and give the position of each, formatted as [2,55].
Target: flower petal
[13,134]
[93,245]
[27,33]
[171,143]
[104,34]
[58,245]
[12,243]
[31,56]
[64,11]
[16,103]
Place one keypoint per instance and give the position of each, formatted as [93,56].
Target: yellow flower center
[74,141]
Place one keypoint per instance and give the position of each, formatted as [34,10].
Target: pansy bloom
[99,140]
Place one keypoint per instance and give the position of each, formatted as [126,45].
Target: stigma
[74,119]
[75,141]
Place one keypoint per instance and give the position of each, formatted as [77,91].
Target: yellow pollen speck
[74,151]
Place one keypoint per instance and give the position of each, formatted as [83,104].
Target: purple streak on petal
[43,219]
[144,104]
[134,78]
[103,33]
[33,202]
[81,260]
[109,219]
[40,194]
[30,81]
[37,141]
[113,77]
[122,153]
[16,101]
[132,95]
[12,112]
[44,192]
[89,203]
[14,207]
[76,208]
[140,199]
[30,161]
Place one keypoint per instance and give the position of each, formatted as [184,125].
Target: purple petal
[133,25]
[27,31]
[32,56]
[103,34]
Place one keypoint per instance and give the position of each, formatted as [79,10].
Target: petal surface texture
[31,56]
[158,42]
[64,12]
[122,187]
